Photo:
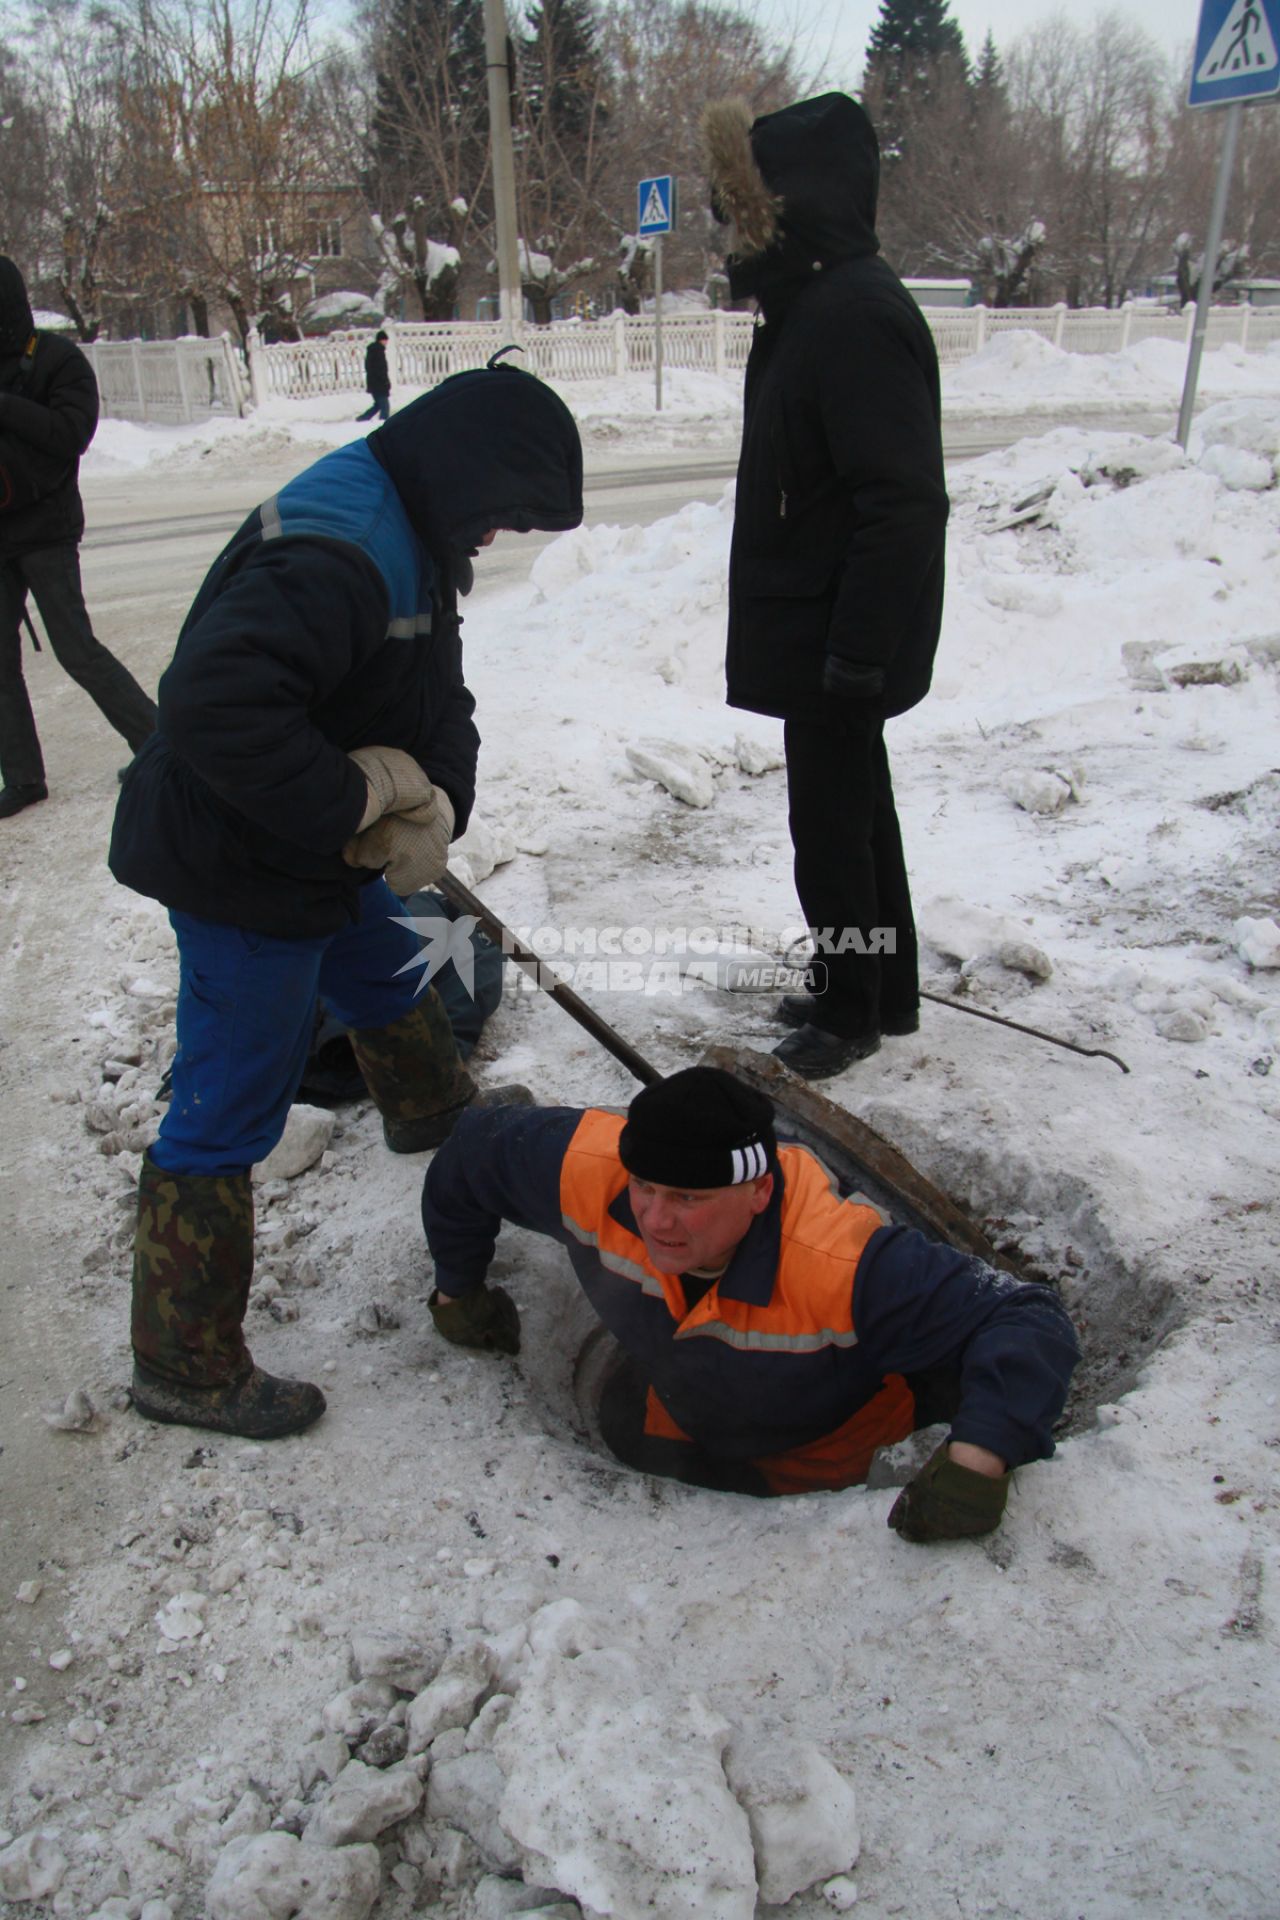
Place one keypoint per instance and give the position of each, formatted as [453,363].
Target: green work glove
[947,1502]
[486,1317]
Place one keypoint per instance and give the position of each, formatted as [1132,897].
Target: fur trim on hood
[800,185]
[739,195]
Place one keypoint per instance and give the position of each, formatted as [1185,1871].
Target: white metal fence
[169,380]
[419,355]
[193,379]
[966,330]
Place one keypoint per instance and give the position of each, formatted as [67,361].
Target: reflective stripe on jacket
[780,1360]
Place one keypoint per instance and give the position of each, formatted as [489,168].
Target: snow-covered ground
[643,1699]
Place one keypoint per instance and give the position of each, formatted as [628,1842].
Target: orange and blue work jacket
[799,1359]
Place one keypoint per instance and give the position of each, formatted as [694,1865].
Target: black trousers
[621,1414]
[850,874]
[52,576]
[622,1410]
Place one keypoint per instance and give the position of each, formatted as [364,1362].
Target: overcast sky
[832,34]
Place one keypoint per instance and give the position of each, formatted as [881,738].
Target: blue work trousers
[246,1014]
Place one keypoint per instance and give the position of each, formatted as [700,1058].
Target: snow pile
[1018,368]
[347,307]
[663,586]
[535,1755]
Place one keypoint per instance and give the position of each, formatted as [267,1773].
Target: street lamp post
[510,302]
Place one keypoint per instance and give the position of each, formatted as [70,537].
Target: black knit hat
[16,323]
[699,1128]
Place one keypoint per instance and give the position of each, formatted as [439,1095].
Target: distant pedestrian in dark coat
[836,572]
[48,413]
[377,379]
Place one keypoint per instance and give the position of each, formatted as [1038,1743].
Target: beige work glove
[412,822]
[395,783]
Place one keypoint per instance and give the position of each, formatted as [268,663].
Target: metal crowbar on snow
[1037,1033]
[599,1029]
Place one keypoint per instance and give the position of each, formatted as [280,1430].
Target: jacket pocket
[797,575]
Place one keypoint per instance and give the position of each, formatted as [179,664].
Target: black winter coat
[48,415]
[377,379]
[836,573]
[330,622]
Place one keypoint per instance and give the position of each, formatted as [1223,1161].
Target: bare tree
[25,209]
[563,130]
[1120,161]
[74,60]
[1252,240]
[668,59]
[429,144]
[1095,140]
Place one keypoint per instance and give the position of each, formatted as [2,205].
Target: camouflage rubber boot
[418,1083]
[192,1264]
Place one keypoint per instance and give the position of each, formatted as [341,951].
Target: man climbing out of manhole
[773,1335]
[315,756]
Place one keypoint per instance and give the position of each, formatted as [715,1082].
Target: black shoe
[258,1406]
[798,1009]
[14,799]
[815,1054]
[432,1129]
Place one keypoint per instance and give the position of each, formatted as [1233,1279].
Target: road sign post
[655,206]
[1237,59]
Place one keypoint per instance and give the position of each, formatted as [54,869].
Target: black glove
[486,1317]
[848,681]
[947,1502]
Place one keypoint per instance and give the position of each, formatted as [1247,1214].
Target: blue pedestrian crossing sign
[1237,53]
[655,203]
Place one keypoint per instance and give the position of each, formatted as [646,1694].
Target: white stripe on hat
[748,1163]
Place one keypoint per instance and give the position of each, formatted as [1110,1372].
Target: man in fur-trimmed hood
[836,572]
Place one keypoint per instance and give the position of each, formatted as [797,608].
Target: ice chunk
[803,1813]
[307,1133]
[268,1874]
[681,770]
[1257,941]
[617,1795]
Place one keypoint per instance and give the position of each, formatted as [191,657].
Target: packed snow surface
[442,1656]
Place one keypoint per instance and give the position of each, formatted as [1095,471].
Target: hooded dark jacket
[377,378]
[330,622]
[48,414]
[836,573]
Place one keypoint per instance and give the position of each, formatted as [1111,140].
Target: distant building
[941,293]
